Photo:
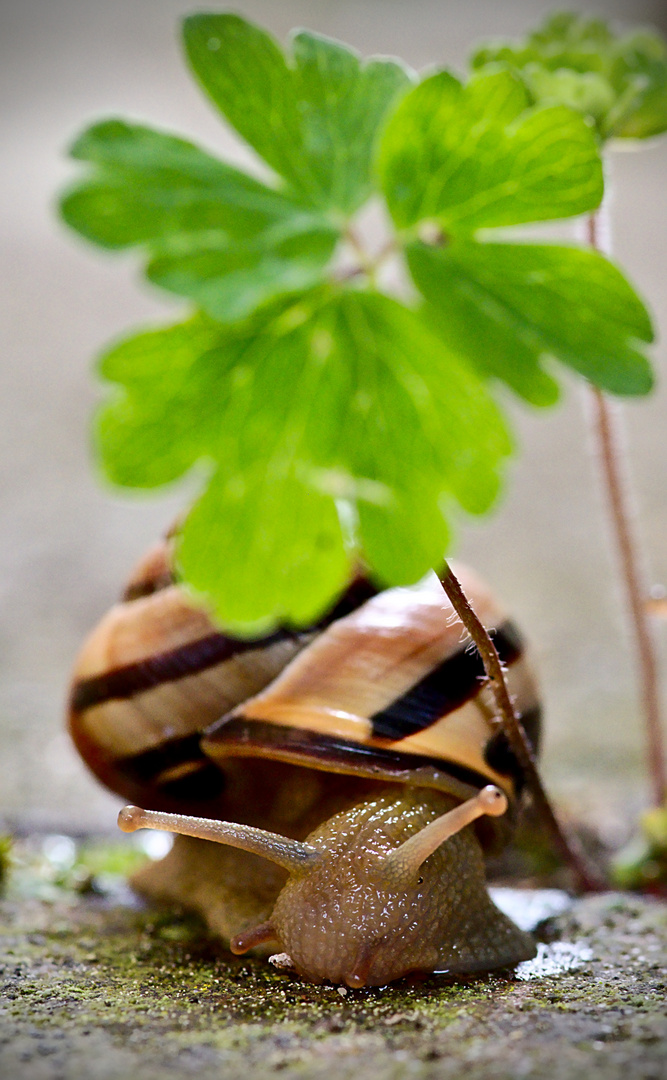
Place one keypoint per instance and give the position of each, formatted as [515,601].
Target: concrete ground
[94,990]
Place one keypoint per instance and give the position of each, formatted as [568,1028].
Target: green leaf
[159,419]
[231,280]
[508,307]
[564,40]
[146,186]
[245,73]
[414,426]
[357,400]
[265,548]
[218,236]
[343,102]
[410,406]
[445,157]
[588,92]
[340,397]
[262,543]
[639,78]
[313,116]
[618,82]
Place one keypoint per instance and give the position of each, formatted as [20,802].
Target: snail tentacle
[292,855]
[400,866]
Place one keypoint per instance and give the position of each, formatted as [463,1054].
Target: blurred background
[67,543]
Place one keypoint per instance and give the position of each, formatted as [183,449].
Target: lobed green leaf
[407,431]
[343,397]
[264,548]
[231,280]
[618,82]
[217,236]
[343,103]
[509,307]
[312,116]
[146,186]
[163,410]
[328,422]
[244,71]
[447,157]
[639,78]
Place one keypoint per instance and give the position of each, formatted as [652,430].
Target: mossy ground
[94,990]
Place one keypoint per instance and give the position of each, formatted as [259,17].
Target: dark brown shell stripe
[197,656]
[455,682]
[204,780]
[298,745]
[170,666]
[177,766]
[255,738]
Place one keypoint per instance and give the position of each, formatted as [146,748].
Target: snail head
[389,886]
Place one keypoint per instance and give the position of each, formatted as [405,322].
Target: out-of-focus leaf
[639,78]
[162,414]
[312,116]
[326,422]
[413,431]
[619,82]
[343,102]
[508,307]
[264,548]
[146,186]
[217,236]
[343,396]
[446,158]
[230,280]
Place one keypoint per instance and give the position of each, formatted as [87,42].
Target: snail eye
[420,881]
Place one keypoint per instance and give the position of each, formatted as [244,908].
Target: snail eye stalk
[292,855]
[401,865]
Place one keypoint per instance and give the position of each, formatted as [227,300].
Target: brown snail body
[354,755]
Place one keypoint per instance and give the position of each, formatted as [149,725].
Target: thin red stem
[587,878]
[636,590]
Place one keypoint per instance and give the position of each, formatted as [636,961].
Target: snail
[353,772]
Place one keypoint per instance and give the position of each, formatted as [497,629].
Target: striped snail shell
[333,762]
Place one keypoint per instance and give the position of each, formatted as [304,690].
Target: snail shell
[380,712]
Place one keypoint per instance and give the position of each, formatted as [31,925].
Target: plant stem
[366,264]
[587,878]
[606,425]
